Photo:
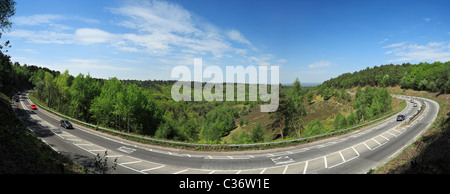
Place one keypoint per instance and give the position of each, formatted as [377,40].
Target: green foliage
[219,122]
[7,10]
[371,102]
[326,94]
[309,97]
[433,77]
[290,109]
[257,134]
[314,128]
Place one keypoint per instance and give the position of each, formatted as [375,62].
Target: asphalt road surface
[352,153]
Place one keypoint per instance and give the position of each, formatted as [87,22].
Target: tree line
[143,108]
[432,77]
[108,103]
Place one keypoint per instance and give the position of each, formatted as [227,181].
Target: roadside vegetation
[146,108]
[430,154]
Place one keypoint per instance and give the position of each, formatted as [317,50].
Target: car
[66,124]
[17,100]
[415,104]
[33,106]
[401,117]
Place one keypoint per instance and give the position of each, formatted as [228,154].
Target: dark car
[17,99]
[401,117]
[66,124]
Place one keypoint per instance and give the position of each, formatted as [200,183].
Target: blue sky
[144,39]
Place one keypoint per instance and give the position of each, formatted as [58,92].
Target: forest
[146,107]
[432,77]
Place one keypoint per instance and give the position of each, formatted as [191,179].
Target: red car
[33,106]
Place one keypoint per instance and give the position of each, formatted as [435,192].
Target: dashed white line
[391,133]
[181,171]
[306,166]
[343,159]
[158,167]
[133,162]
[384,137]
[355,151]
[376,142]
[366,145]
[285,169]
[262,172]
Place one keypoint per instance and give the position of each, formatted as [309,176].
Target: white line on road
[158,167]
[306,166]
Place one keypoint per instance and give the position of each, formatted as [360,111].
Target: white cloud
[282,61]
[92,36]
[383,41]
[319,64]
[157,16]
[433,51]
[263,60]
[155,28]
[49,19]
[395,45]
[166,27]
[42,37]
[35,20]
[238,37]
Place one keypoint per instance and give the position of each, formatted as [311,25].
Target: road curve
[355,152]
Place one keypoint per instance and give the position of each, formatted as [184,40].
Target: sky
[145,39]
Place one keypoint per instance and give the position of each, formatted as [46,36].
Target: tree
[83,91]
[257,133]
[7,10]
[279,116]
[62,83]
[103,106]
[313,128]
[309,97]
[295,109]
[326,94]
[338,123]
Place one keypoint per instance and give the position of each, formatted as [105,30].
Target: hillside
[430,154]
[21,152]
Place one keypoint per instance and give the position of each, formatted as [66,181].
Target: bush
[257,133]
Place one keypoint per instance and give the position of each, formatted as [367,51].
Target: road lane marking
[132,162]
[181,171]
[149,169]
[306,166]
[384,137]
[282,160]
[355,151]
[126,149]
[262,171]
[367,146]
[284,171]
[343,159]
